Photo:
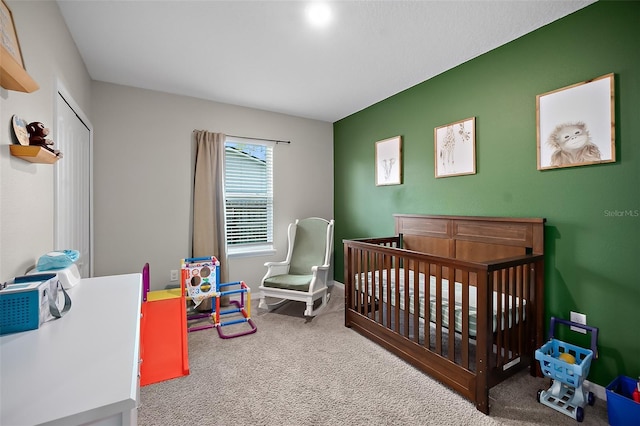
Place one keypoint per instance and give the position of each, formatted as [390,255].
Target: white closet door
[73,227]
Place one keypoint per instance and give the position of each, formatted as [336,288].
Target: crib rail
[470,341]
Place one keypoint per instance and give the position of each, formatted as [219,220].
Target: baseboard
[600,392]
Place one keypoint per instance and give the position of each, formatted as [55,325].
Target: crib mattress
[446,302]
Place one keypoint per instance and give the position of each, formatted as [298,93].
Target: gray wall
[26,189]
[144,154]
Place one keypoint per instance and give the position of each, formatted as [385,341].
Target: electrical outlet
[580,319]
[174,275]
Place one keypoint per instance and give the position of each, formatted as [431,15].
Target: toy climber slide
[163,348]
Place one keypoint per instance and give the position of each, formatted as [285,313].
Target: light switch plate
[580,319]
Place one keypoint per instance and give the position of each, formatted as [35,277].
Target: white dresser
[81,368]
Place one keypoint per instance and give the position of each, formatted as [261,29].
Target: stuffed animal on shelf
[38,137]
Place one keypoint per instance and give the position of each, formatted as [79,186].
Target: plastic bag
[57,260]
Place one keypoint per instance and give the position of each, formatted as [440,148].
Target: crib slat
[369,283]
[505,323]
[365,272]
[416,304]
[405,302]
[499,333]
[427,306]
[465,320]
[367,279]
[388,264]
[514,314]
[530,309]
[508,330]
[484,334]
[504,354]
[451,303]
[521,277]
[373,266]
[438,307]
[394,308]
[362,283]
[377,291]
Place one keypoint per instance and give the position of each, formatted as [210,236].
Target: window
[248,195]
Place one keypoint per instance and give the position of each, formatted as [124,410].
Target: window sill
[250,252]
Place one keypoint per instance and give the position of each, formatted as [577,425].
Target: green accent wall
[592,236]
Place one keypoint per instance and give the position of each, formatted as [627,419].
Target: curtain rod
[258,139]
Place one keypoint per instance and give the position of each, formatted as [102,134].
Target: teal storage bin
[621,408]
[19,311]
[24,303]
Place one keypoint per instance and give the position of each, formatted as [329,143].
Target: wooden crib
[397,293]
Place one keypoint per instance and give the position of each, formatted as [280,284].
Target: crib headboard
[471,238]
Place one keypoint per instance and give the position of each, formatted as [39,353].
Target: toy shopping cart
[567,366]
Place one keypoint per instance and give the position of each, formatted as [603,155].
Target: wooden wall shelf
[13,76]
[33,154]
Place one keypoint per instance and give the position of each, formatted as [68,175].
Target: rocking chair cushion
[289,282]
[309,247]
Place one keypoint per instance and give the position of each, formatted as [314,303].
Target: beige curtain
[208,203]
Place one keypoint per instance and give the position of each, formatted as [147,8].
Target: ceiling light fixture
[319,14]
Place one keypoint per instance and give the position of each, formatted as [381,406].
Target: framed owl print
[576,124]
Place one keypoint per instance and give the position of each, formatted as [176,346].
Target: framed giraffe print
[389,161]
[455,148]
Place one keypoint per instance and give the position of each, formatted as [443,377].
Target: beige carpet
[296,371]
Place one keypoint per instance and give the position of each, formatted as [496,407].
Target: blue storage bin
[621,408]
[19,311]
[24,304]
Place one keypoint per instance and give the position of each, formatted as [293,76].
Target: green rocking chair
[304,274]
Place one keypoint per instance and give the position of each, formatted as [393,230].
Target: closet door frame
[63,95]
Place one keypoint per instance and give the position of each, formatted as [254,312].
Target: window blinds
[249,192]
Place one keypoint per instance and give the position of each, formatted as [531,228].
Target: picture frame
[388,161]
[576,124]
[455,148]
[20,133]
[9,43]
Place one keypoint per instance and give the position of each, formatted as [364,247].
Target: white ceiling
[263,54]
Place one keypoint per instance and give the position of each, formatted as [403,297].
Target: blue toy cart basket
[566,393]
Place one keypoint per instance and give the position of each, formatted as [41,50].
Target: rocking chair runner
[304,274]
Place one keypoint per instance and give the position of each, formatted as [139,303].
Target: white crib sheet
[445,299]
